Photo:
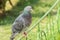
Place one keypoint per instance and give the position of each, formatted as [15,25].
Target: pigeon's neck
[25,12]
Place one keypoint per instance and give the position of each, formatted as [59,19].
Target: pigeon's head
[28,9]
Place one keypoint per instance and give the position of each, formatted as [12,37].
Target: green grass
[40,7]
[5,31]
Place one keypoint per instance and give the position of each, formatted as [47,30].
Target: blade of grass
[38,32]
[58,21]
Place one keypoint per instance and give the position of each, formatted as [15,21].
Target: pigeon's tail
[13,35]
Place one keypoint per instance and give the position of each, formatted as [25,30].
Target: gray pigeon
[22,22]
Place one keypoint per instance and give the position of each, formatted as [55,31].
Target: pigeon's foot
[25,34]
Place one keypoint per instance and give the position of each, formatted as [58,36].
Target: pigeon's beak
[32,10]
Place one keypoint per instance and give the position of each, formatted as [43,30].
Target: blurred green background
[40,7]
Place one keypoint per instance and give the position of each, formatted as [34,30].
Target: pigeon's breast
[27,19]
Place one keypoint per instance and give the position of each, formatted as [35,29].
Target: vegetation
[48,28]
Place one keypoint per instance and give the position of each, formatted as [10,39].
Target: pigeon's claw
[25,33]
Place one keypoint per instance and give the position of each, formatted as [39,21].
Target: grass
[45,30]
[5,31]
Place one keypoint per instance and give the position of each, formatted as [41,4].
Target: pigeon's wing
[18,25]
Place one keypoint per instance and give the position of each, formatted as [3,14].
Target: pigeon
[22,22]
